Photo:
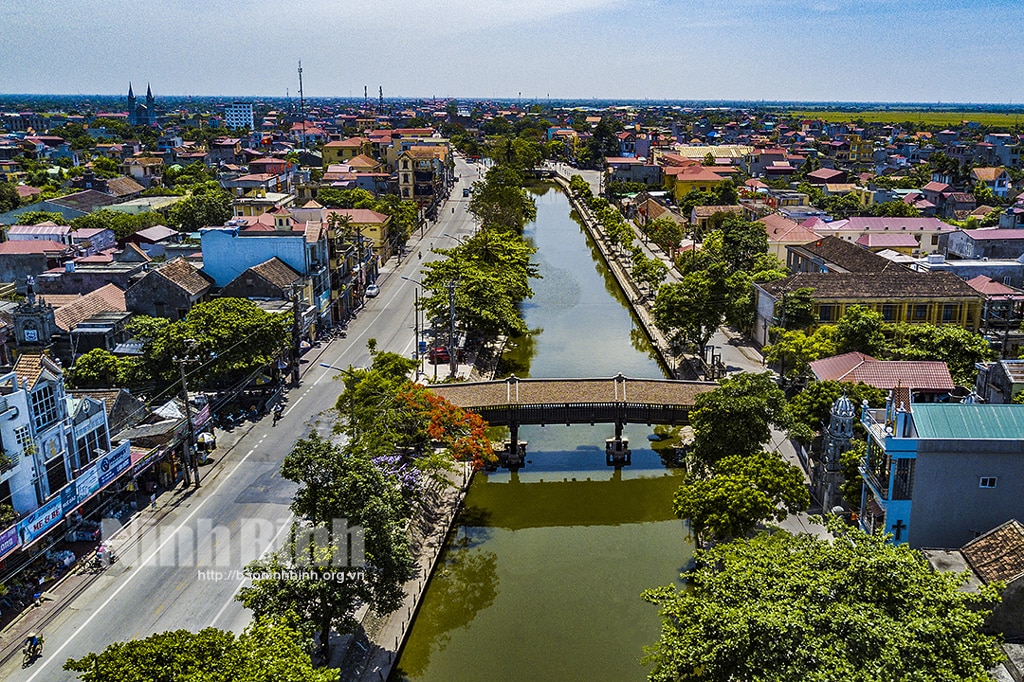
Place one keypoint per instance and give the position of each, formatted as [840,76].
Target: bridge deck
[616,399]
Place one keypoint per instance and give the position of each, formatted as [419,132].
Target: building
[341,151]
[142,114]
[783,233]
[926,380]
[832,254]
[996,179]
[999,382]
[681,180]
[984,243]
[926,231]
[169,291]
[370,225]
[238,115]
[941,474]
[271,281]
[900,296]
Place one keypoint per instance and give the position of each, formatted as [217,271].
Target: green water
[542,575]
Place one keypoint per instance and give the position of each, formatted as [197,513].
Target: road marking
[131,576]
[292,406]
[285,526]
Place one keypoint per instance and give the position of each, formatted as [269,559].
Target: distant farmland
[929,118]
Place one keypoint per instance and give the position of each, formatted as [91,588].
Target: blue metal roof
[959,421]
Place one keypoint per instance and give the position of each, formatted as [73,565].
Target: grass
[920,117]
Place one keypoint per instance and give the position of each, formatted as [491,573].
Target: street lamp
[416,324]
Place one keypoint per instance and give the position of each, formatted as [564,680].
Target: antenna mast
[302,107]
[380,107]
[366,99]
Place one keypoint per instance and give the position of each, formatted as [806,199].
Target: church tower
[131,106]
[836,442]
[150,107]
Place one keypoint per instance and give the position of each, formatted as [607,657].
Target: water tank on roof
[69,266]
[936,258]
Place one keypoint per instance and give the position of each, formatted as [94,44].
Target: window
[826,313]
[935,240]
[888,312]
[987,482]
[948,312]
[44,406]
[920,311]
[23,437]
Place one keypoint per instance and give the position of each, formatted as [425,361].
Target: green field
[920,117]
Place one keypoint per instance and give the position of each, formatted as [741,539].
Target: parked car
[439,356]
[465,191]
[372,290]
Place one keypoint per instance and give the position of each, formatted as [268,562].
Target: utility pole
[296,327]
[380,106]
[190,459]
[416,331]
[452,361]
[302,107]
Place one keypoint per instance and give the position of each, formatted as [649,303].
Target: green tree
[812,406]
[98,368]
[742,493]
[793,351]
[959,348]
[499,201]
[689,311]
[798,309]
[860,329]
[9,197]
[850,463]
[649,272]
[267,651]
[123,224]
[197,211]
[736,418]
[344,198]
[774,608]
[36,217]
[665,232]
[894,209]
[232,336]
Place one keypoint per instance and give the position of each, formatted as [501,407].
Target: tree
[9,197]
[860,329]
[499,201]
[267,651]
[736,418]
[96,369]
[812,406]
[894,209]
[798,309]
[36,217]
[123,224]
[743,492]
[689,311]
[665,232]
[233,336]
[798,607]
[649,272]
[959,348]
[850,463]
[197,211]
[793,351]
[344,198]
[338,483]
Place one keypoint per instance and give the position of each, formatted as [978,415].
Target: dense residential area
[838,294]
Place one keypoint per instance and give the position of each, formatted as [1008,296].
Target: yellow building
[680,180]
[370,225]
[341,151]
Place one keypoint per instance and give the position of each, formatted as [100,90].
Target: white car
[372,290]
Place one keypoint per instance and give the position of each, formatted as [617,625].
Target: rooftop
[998,554]
[895,283]
[968,421]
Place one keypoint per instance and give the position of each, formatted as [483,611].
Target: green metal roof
[968,421]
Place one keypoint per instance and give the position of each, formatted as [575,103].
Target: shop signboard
[41,520]
[201,417]
[8,540]
[142,461]
[114,463]
[87,483]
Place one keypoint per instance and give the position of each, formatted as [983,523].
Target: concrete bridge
[617,400]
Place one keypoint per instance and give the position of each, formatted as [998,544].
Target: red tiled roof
[32,246]
[887,240]
[998,554]
[990,287]
[921,375]
[108,298]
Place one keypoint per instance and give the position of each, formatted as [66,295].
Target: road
[184,572]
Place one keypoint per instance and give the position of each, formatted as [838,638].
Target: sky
[792,50]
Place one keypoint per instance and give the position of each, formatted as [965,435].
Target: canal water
[541,578]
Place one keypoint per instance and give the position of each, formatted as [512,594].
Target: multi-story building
[941,474]
[238,115]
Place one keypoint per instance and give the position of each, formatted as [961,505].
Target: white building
[238,115]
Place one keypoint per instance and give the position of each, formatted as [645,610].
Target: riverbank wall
[386,636]
[677,366]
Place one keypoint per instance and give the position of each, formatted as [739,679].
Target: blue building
[229,251]
[941,474]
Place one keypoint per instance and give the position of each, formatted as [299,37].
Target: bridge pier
[616,451]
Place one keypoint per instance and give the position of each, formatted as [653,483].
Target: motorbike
[278,411]
[31,651]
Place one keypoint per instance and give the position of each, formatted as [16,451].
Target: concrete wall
[949,507]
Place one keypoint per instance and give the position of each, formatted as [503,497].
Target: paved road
[163,581]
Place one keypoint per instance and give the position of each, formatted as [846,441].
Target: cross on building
[898,529]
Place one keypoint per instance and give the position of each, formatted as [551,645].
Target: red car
[439,356]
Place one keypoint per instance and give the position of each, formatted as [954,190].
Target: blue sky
[875,50]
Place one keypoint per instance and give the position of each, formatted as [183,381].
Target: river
[541,578]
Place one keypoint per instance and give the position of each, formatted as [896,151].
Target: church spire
[149,93]
[131,95]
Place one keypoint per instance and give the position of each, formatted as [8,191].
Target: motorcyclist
[33,644]
[278,411]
